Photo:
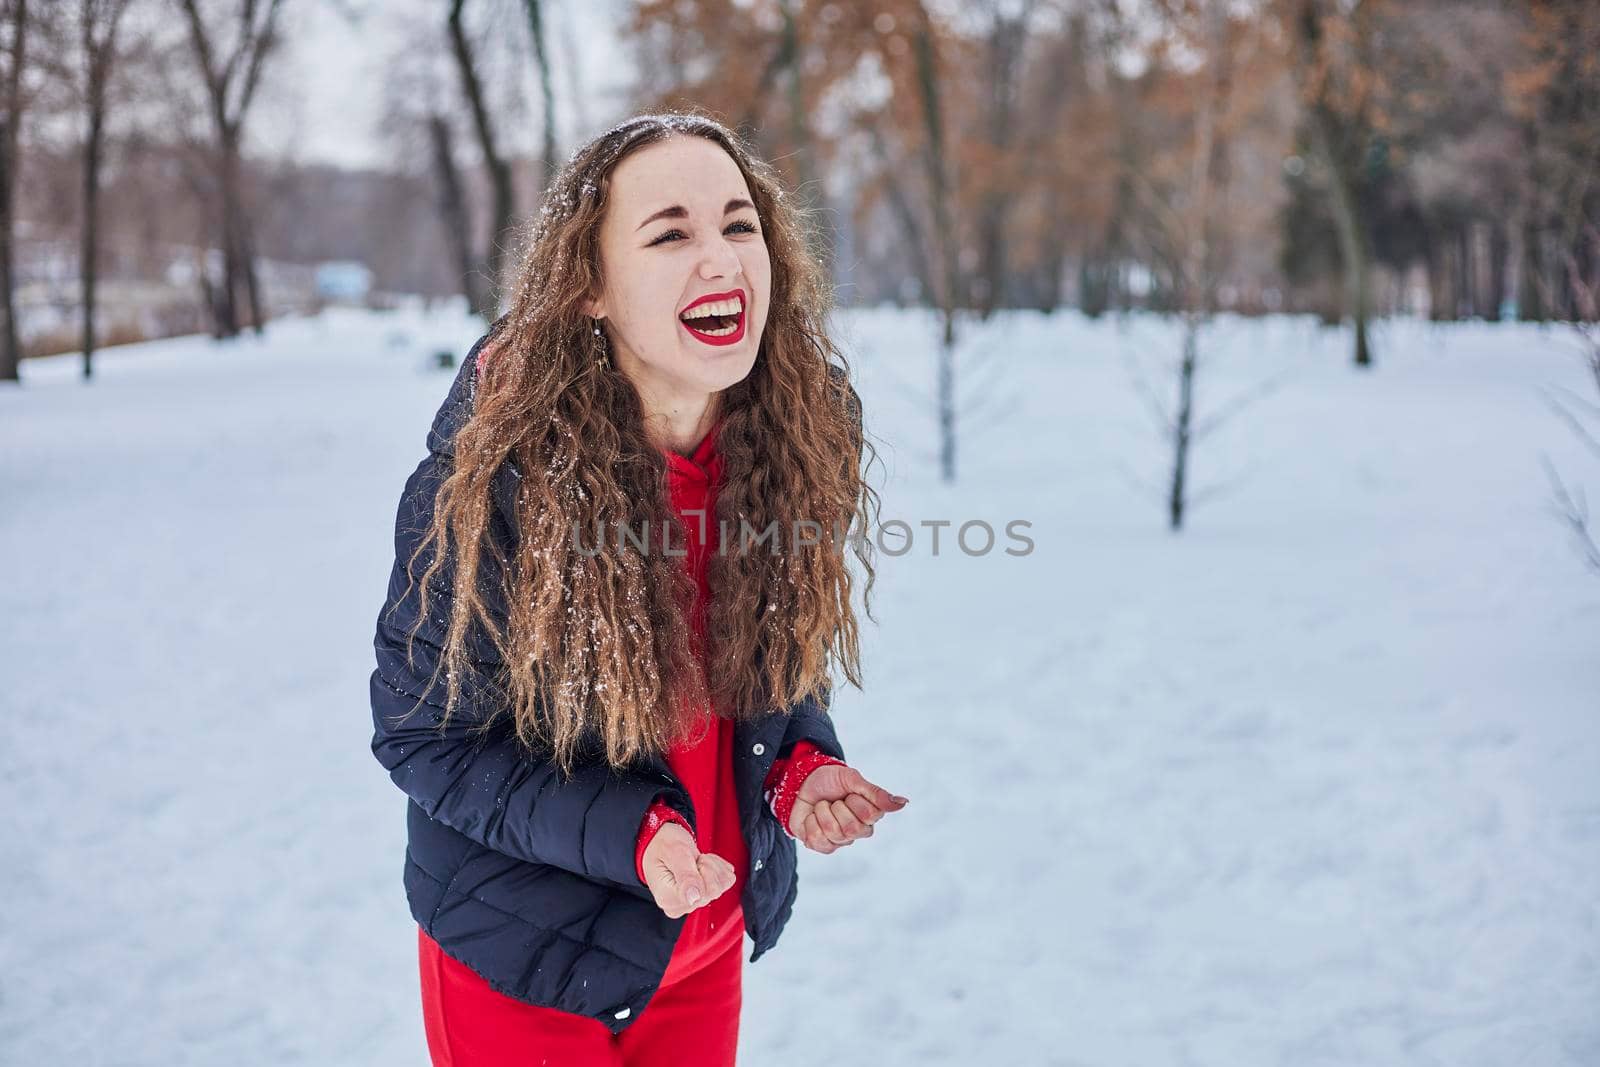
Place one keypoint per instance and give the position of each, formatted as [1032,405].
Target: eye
[739,226]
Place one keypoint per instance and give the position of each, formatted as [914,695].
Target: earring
[602,358]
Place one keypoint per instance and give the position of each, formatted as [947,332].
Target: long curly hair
[595,648]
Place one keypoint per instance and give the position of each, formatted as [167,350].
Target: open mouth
[717,319]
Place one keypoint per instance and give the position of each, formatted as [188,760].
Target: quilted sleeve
[809,721]
[473,775]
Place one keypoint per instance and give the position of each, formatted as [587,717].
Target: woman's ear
[594,307]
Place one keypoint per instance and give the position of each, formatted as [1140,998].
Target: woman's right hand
[680,877]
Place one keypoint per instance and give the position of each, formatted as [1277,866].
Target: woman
[611,741]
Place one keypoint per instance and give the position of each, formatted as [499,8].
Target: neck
[680,424]
[674,420]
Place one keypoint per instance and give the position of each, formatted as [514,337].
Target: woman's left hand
[836,806]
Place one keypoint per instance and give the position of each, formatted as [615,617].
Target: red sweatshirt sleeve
[659,814]
[788,773]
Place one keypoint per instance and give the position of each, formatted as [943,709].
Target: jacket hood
[457,406]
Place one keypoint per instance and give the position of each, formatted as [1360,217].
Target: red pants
[693,1020]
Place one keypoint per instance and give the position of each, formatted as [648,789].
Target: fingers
[876,795]
[686,886]
[717,873]
[830,824]
[833,824]
[849,825]
[812,837]
[797,817]
[680,877]
[864,810]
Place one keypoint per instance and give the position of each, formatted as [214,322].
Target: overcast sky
[327,97]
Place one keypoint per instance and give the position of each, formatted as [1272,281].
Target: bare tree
[1338,83]
[451,202]
[911,136]
[913,42]
[1184,224]
[946,255]
[486,297]
[1197,254]
[1581,416]
[1555,95]
[186,130]
[547,92]
[98,23]
[231,80]
[773,72]
[787,61]
[422,112]
[15,23]
[1008,37]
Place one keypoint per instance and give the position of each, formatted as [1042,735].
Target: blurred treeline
[1446,151]
[1349,158]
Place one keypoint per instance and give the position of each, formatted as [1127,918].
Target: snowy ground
[1316,782]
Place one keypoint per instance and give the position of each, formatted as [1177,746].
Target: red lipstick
[726,339]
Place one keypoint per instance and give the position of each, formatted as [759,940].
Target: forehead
[686,170]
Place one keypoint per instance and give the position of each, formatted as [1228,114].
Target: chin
[719,370]
[727,376]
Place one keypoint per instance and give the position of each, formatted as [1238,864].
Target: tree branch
[1237,404]
[1574,513]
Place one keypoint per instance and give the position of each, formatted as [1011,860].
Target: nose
[720,260]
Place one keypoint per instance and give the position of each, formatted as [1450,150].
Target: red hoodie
[706,767]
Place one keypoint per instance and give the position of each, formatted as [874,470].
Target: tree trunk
[10,344]
[1196,282]
[786,61]
[1354,246]
[748,125]
[1007,36]
[1181,428]
[252,279]
[98,26]
[1441,276]
[239,282]
[1530,295]
[900,204]
[944,240]
[10,349]
[499,169]
[1498,253]
[1582,279]
[90,247]
[210,292]
[821,237]
[547,93]
[231,82]
[452,206]
[947,398]
[228,238]
[1053,271]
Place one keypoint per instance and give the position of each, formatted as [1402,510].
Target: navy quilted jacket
[525,875]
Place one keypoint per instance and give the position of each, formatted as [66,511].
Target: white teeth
[720,307]
[723,332]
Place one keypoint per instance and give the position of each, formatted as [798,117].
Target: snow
[1315,782]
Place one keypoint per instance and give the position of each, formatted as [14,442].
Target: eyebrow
[678,211]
